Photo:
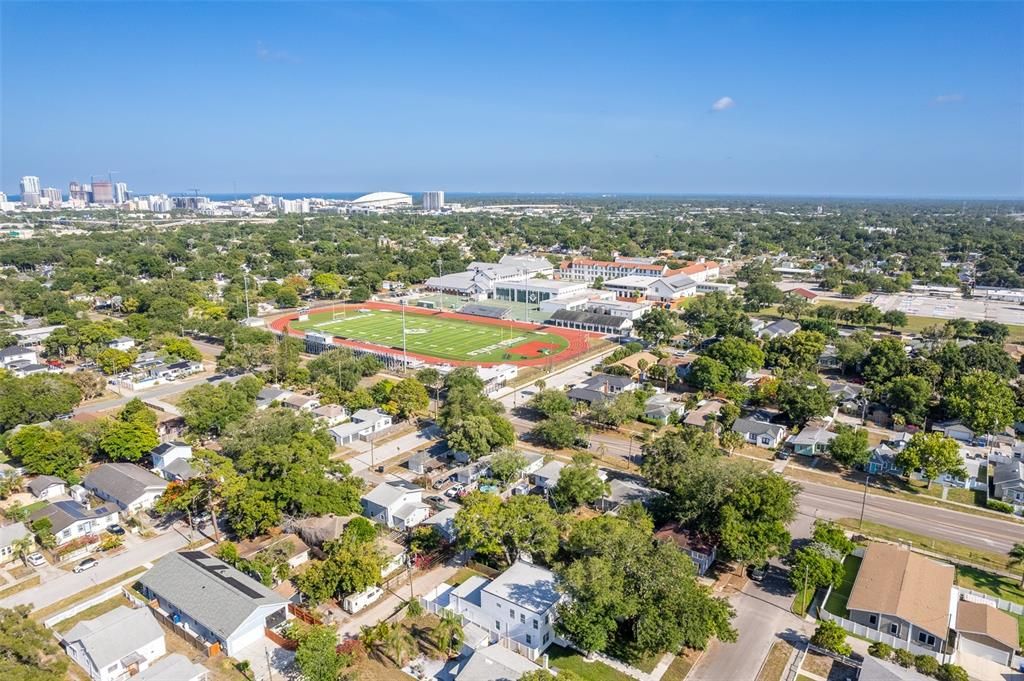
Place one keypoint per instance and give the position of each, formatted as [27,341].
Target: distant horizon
[848,100]
[452,196]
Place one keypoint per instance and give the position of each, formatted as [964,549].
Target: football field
[436,336]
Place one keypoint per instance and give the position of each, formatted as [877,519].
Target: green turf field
[452,339]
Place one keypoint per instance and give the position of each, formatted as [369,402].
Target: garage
[986,632]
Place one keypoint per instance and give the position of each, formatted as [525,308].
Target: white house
[546,477]
[443,523]
[117,644]
[954,429]
[71,520]
[121,343]
[760,433]
[518,605]
[212,600]
[16,354]
[131,487]
[397,504]
[9,534]
[303,403]
[47,487]
[330,414]
[171,460]
[364,423]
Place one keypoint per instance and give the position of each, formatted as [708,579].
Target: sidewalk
[384,608]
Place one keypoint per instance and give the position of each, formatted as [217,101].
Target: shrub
[926,664]
[1001,506]
[831,636]
[415,608]
[952,672]
[880,650]
[904,658]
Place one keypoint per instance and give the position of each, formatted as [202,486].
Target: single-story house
[760,433]
[15,354]
[986,631]
[443,522]
[47,487]
[209,598]
[633,362]
[9,534]
[954,429]
[270,395]
[303,403]
[813,440]
[364,424]
[117,644]
[546,477]
[290,546]
[397,504]
[705,414]
[780,328]
[174,667]
[701,549]
[1008,480]
[71,520]
[903,594]
[661,407]
[131,487]
[883,460]
[624,492]
[122,343]
[601,387]
[171,460]
[849,397]
[330,414]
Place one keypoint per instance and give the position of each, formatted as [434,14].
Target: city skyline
[893,100]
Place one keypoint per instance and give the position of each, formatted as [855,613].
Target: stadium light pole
[405,353]
[439,275]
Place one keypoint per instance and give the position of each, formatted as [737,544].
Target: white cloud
[948,99]
[264,53]
[723,103]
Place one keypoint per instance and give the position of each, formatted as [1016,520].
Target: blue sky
[864,99]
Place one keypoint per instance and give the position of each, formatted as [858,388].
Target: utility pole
[806,604]
[864,501]
[439,275]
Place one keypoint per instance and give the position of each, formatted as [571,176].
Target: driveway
[762,616]
[268,660]
[391,449]
[58,584]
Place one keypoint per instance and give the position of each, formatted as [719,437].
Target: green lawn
[1007,588]
[955,551]
[431,335]
[802,601]
[574,663]
[836,603]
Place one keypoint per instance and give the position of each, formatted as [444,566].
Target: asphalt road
[59,584]
[976,531]
[155,393]
[762,617]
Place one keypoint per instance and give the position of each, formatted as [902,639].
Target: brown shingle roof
[983,619]
[895,581]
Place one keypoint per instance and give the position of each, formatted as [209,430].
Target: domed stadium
[383,200]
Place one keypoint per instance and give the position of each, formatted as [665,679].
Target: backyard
[836,603]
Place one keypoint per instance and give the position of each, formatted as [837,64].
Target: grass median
[85,594]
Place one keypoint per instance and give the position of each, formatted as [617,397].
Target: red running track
[579,341]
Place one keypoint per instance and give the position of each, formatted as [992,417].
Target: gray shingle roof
[116,634]
[64,513]
[593,318]
[611,381]
[752,427]
[208,590]
[123,482]
[42,482]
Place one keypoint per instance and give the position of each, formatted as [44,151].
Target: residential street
[762,616]
[59,584]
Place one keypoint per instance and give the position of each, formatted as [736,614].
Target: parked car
[440,483]
[758,572]
[87,564]
[115,529]
[436,500]
[36,559]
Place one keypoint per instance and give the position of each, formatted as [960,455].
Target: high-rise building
[433,200]
[29,185]
[102,191]
[78,191]
[53,196]
[120,192]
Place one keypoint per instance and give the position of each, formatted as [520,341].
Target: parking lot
[974,309]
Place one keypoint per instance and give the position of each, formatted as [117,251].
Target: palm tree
[448,634]
[1017,558]
[375,637]
[401,646]
[22,547]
